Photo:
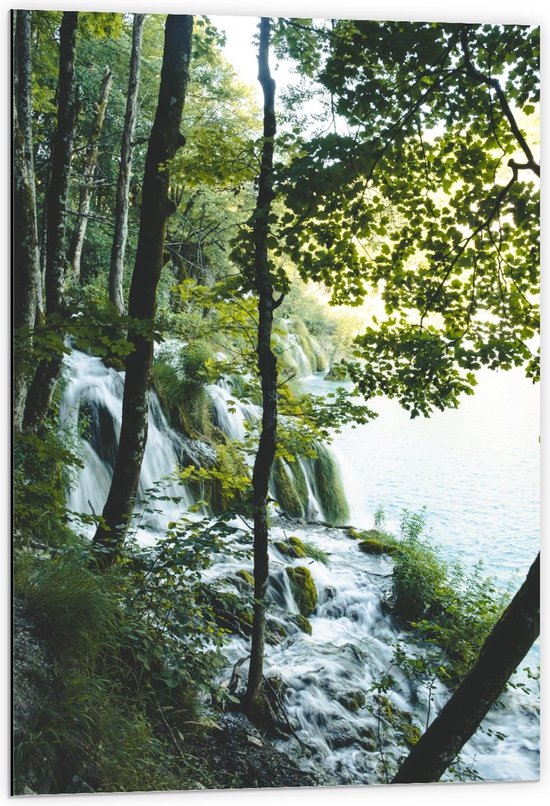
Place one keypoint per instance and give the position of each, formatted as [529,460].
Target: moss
[300,483]
[328,487]
[292,547]
[355,534]
[303,589]
[375,545]
[411,734]
[285,490]
[304,624]
[245,575]
[297,546]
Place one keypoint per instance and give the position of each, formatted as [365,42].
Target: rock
[246,576]
[352,700]
[275,632]
[303,589]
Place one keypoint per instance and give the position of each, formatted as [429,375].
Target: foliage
[134,650]
[447,611]
[428,201]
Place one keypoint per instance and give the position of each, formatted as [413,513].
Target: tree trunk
[267,365]
[26,263]
[513,635]
[164,141]
[90,162]
[48,371]
[116,273]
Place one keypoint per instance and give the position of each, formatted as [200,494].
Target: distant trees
[87,181]
[120,236]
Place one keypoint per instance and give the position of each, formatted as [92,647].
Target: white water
[100,389]
[351,644]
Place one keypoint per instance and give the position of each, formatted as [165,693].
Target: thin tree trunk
[116,273]
[267,365]
[512,637]
[90,162]
[48,371]
[26,263]
[164,141]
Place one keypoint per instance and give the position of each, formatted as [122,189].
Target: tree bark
[26,262]
[48,371]
[267,365]
[513,635]
[116,273]
[90,162]
[164,141]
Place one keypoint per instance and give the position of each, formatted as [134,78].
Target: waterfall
[327,679]
[327,676]
[90,414]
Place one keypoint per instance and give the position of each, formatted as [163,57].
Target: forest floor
[235,755]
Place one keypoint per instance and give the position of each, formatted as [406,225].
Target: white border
[504,11]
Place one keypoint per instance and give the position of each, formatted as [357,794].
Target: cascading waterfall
[328,676]
[94,392]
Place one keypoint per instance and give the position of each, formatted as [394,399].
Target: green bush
[444,606]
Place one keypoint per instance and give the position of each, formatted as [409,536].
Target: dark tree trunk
[48,371]
[164,141]
[267,365]
[26,263]
[90,162]
[116,273]
[513,635]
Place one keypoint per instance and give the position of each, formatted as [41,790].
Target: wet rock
[275,631]
[352,700]
[246,576]
[303,589]
[341,734]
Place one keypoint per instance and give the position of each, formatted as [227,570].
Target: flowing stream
[326,678]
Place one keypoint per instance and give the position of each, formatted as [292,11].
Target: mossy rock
[372,546]
[292,547]
[328,487]
[411,734]
[286,492]
[303,589]
[275,632]
[352,701]
[246,576]
[303,623]
[283,547]
[354,533]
